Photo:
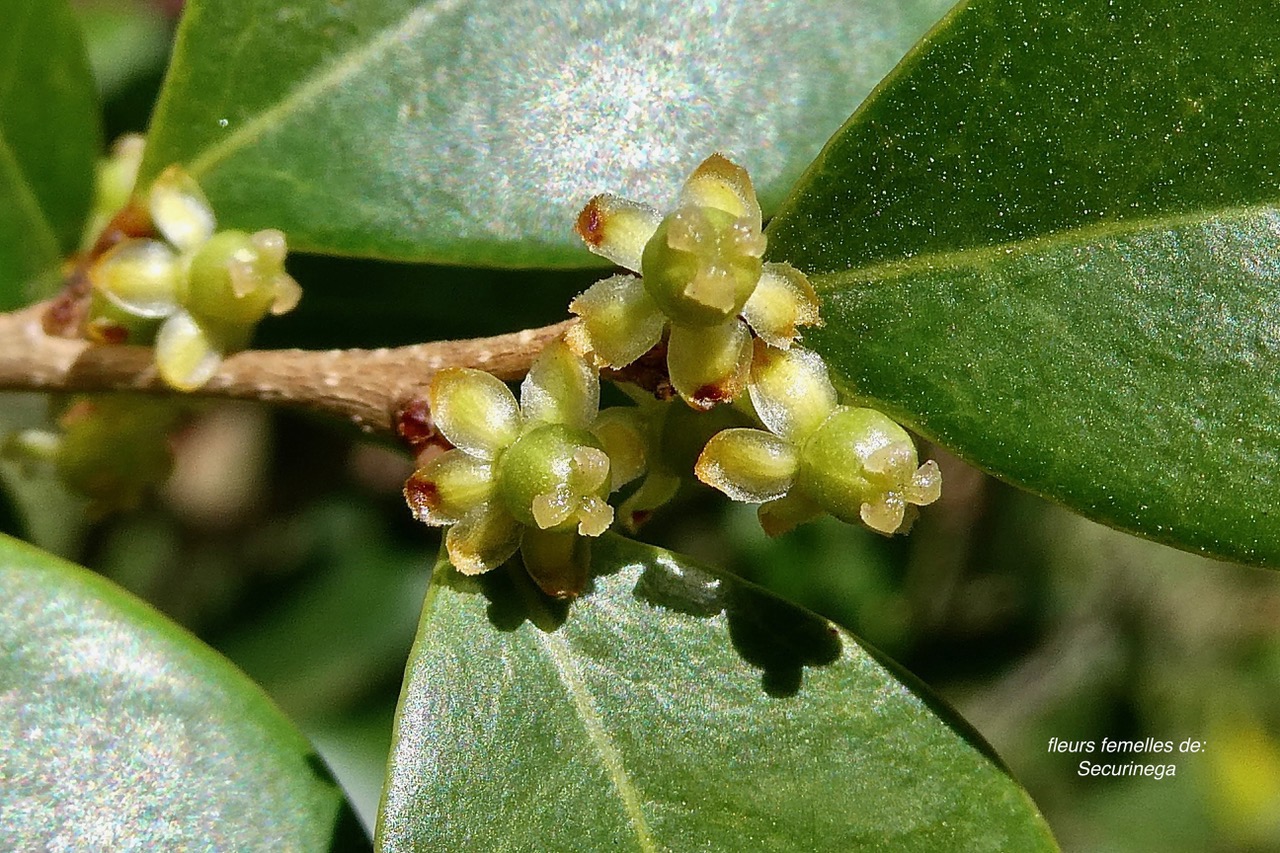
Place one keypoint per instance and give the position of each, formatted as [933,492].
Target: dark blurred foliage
[284,542]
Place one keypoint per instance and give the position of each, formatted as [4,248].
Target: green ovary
[701,266]
[231,281]
[834,462]
[552,476]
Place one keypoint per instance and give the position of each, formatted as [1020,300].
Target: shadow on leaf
[769,633]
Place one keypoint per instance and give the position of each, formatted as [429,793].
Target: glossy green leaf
[122,731]
[474,131]
[49,138]
[673,707]
[1049,242]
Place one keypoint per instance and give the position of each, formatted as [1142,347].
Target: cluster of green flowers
[194,291]
[700,276]
[535,477]
[159,273]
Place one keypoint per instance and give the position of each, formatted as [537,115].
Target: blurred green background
[284,542]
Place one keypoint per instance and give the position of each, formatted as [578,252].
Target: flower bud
[114,449]
[113,183]
[701,275]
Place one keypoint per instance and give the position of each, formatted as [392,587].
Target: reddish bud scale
[132,222]
[416,428]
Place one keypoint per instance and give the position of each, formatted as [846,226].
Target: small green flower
[113,449]
[817,456]
[531,476]
[205,290]
[701,276]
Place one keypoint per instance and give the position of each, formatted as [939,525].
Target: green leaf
[49,139]
[673,707]
[123,731]
[474,131]
[126,40]
[1049,242]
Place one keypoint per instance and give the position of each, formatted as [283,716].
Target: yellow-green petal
[484,539]
[474,410]
[720,183]
[561,388]
[180,210]
[140,277]
[790,390]
[709,365]
[748,465]
[783,301]
[621,430]
[617,228]
[619,322]
[448,487]
[187,353]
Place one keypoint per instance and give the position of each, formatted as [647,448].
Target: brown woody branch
[365,387]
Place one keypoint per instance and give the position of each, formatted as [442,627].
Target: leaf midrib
[1039,244]
[343,67]
[561,658]
[28,202]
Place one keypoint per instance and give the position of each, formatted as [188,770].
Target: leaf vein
[1064,238]
[347,66]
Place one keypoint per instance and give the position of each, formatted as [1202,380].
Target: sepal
[448,487]
[618,322]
